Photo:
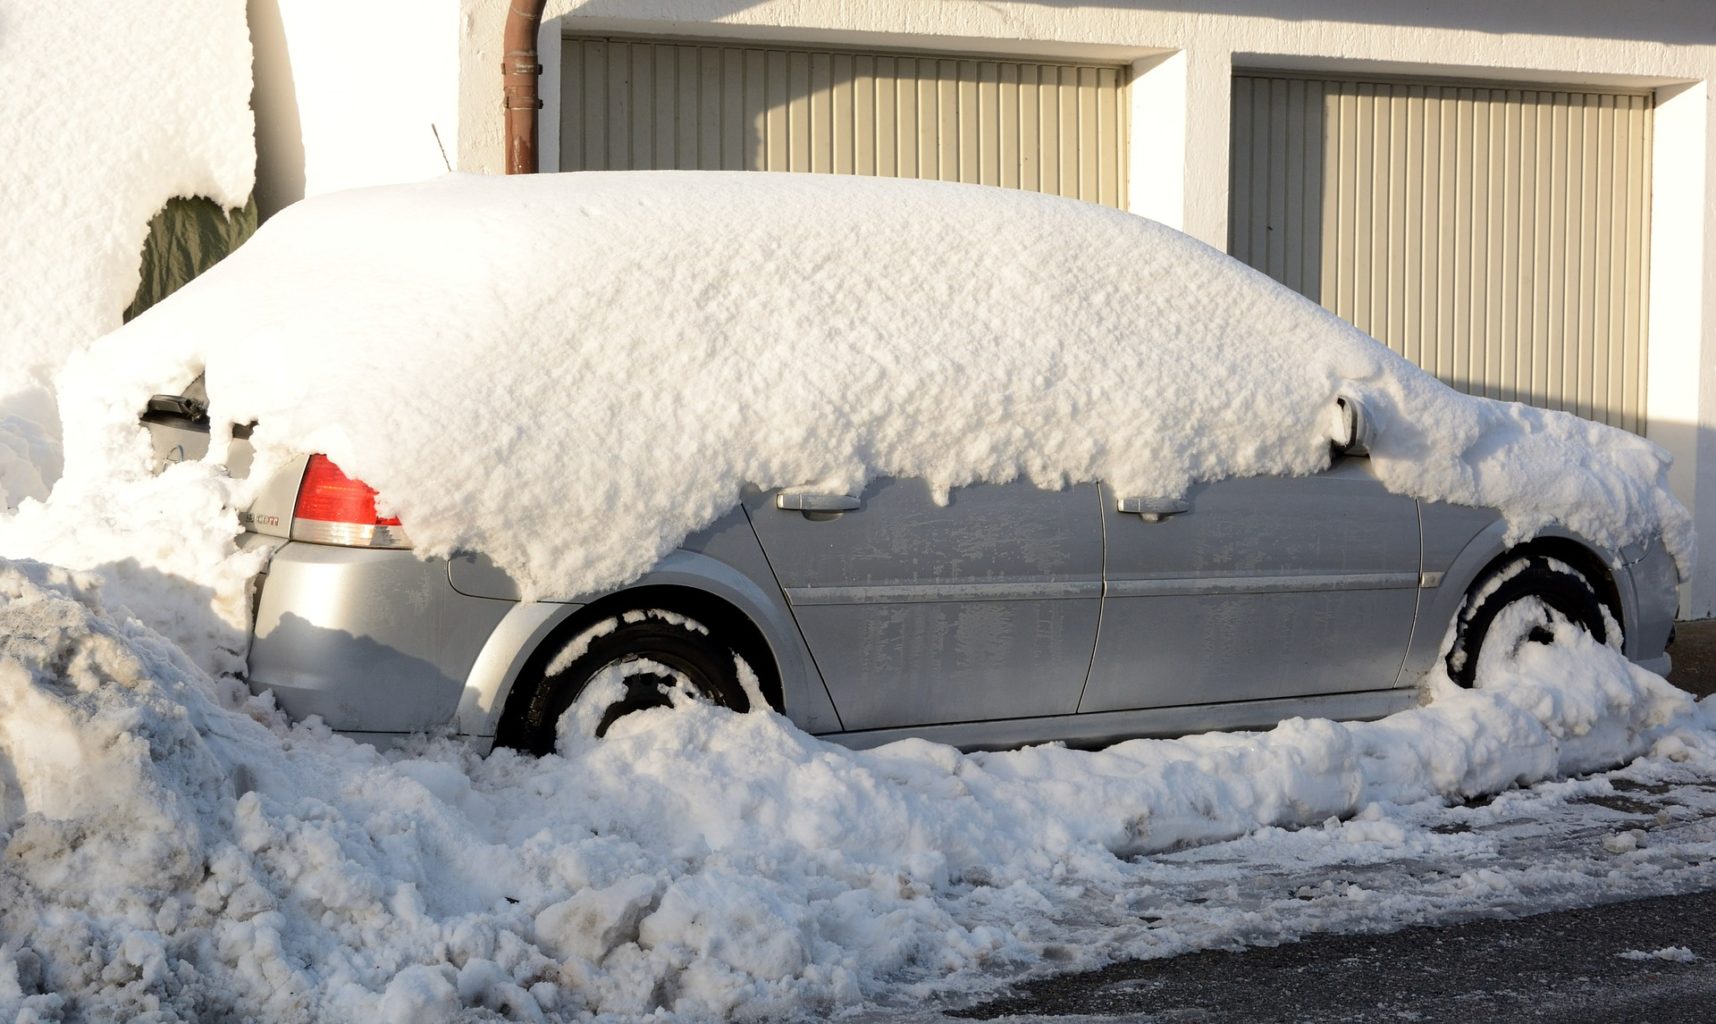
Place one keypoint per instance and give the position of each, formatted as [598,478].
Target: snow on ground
[1669,954]
[709,330]
[174,847]
[106,112]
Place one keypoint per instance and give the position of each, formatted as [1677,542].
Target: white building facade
[1516,196]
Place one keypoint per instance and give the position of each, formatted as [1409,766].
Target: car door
[920,613]
[1256,588]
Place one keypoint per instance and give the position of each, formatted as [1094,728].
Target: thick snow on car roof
[570,373]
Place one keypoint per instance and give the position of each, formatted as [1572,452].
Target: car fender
[531,623]
[1438,605]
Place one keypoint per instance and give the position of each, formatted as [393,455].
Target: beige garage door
[1056,128]
[1497,236]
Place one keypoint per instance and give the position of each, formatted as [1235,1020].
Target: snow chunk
[594,921]
[1671,954]
[1623,842]
[570,373]
[419,995]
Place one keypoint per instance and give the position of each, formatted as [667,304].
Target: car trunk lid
[178,426]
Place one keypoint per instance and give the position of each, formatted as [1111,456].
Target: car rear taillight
[333,508]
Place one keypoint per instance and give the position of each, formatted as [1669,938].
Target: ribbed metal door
[1056,128]
[1497,236]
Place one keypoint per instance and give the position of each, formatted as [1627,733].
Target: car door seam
[1102,598]
[786,599]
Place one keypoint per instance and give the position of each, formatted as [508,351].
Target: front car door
[1256,588]
[918,613]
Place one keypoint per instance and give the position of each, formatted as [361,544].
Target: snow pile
[174,848]
[29,458]
[487,351]
[106,111]
[1667,954]
[163,547]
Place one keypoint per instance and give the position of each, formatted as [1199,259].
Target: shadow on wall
[1669,21]
[1052,127]
[279,132]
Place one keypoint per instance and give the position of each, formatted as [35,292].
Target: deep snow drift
[173,847]
[470,344]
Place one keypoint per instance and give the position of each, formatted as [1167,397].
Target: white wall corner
[1208,111]
[1680,374]
[549,40]
[1156,136]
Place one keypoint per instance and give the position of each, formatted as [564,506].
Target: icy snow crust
[570,373]
[174,848]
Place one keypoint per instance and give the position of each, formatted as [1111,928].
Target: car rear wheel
[1517,604]
[628,663]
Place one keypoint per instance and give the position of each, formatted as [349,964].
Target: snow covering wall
[106,111]
[618,354]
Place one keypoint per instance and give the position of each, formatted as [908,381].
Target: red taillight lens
[329,496]
[332,508]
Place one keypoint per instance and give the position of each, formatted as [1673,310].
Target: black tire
[1559,586]
[673,641]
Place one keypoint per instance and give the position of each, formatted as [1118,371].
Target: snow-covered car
[895,459]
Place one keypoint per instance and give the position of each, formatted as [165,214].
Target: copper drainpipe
[518,77]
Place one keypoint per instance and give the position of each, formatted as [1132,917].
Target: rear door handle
[1154,510]
[817,502]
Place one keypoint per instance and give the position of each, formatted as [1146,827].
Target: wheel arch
[1488,551]
[687,582]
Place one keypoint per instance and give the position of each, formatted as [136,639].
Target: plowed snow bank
[173,847]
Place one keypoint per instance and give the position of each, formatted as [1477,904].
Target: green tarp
[186,238]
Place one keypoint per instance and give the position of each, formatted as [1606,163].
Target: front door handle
[817,502]
[1154,510]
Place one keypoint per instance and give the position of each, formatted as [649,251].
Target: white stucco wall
[352,92]
[1182,54]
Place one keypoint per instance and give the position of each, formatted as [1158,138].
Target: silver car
[1008,615]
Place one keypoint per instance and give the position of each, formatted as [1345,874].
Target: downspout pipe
[519,71]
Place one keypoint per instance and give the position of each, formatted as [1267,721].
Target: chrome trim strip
[930,593]
[1429,580]
[805,502]
[1214,585]
[350,535]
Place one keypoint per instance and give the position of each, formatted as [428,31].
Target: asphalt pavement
[1562,966]
[1558,968]
[1694,653]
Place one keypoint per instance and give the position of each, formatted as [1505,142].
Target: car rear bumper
[372,641]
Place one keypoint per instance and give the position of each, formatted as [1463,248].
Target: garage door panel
[1057,128]
[1497,236]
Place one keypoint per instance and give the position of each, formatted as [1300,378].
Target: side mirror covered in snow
[1357,426]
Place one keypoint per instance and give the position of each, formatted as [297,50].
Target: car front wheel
[1517,604]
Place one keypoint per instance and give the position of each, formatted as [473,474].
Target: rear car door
[918,613]
[1256,588]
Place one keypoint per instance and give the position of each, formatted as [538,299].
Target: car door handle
[1154,510]
[817,502]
